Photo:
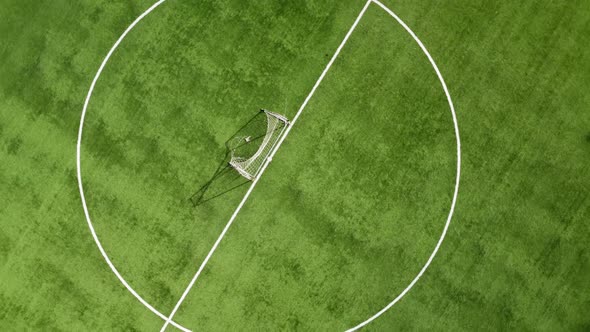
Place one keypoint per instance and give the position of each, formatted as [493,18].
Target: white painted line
[79,170]
[168,320]
[458,176]
[267,162]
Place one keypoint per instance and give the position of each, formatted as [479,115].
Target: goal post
[249,154]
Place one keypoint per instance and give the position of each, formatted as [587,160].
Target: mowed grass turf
[157,127]
[353,203]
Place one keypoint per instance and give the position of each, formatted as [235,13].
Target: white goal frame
[250,167]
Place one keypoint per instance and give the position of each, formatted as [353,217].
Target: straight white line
[267,162]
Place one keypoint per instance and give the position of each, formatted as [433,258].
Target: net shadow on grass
[225,179]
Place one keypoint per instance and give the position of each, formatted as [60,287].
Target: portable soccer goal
[249,151]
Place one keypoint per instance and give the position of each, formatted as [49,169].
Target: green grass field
[354,201]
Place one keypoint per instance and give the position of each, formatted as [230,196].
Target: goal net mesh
[249,152]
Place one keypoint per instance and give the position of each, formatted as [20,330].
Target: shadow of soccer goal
[246,153]
[225,178]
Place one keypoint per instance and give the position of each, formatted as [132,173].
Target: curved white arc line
[268,160]
[458,176]
[79,170]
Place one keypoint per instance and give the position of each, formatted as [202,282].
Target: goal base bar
[241,171]
[278,116]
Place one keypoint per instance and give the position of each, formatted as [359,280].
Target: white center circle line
[457,178]
[167,319]
[79,169]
